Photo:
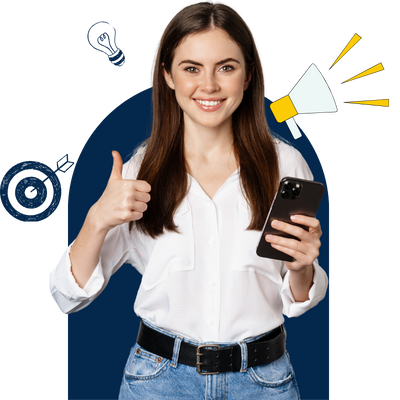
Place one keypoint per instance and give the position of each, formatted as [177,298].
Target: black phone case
[295,196]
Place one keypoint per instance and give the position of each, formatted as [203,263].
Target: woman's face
[208,74]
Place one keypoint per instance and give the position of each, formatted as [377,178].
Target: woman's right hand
[122,201]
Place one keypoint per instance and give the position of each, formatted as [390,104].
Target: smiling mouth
[208,103]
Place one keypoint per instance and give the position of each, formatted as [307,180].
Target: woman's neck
[206,144]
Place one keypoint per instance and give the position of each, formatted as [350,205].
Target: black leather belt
[212,358]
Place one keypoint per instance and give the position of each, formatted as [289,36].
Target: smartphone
[295,196]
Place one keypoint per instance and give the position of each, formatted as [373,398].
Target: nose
[209,82]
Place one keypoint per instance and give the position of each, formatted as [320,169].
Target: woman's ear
[168,78]
[248,77]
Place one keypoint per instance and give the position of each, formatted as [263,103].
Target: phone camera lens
[284,194]
[295,191]
[287,188]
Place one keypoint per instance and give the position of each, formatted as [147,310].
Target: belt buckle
[198,361]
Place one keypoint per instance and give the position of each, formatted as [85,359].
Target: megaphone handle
[294,129]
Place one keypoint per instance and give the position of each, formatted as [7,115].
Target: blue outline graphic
[105,42]
[35,184]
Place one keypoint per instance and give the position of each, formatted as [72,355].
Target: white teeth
[208,103]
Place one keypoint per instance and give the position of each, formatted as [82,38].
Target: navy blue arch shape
[101,335]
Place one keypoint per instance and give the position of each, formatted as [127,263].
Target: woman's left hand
[305,250]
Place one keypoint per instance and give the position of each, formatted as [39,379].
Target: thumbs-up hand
[123,200]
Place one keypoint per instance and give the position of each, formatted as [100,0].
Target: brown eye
[226,68]
[191,69]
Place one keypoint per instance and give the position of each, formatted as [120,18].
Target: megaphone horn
[311,94]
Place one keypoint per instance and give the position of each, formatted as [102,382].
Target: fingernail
[275,224]
[294,217]
[268,238]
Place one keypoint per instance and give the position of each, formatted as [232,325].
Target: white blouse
[206,282]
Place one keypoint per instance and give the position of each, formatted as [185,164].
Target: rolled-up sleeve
[317,292]
[69,296]
[119,246]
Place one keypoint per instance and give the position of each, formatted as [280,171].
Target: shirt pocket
[244,256]
[172,251]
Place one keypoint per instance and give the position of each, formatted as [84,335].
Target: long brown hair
[164,166]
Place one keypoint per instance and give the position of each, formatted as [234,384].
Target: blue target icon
[26,197]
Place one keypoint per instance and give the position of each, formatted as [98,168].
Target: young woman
[187,211]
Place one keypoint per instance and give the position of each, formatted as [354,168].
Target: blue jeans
[148,376]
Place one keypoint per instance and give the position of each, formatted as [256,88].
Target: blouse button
[211,322]
[212,283]
[211,241]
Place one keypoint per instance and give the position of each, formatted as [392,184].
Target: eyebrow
[218,63]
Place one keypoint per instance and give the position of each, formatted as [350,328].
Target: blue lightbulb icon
[101,36]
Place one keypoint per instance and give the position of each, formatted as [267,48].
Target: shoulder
[291,162]
[286,152]
[131,167]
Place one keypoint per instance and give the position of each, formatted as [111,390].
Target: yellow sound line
[370,102]
[351,43]
[372,70]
